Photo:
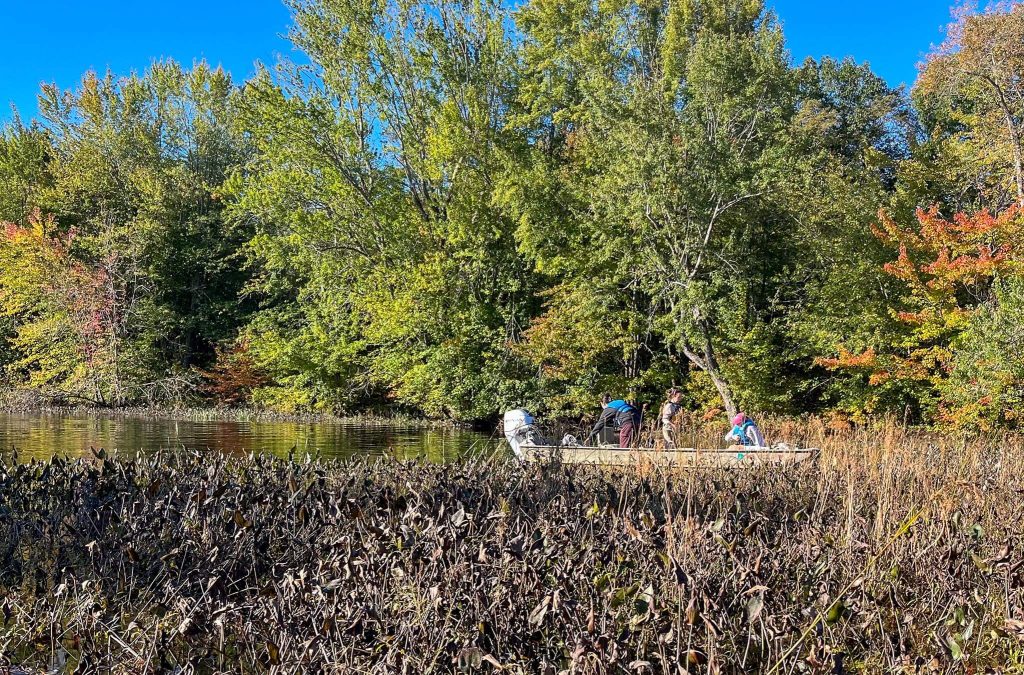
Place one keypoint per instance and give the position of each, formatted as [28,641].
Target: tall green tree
[23,155]
[969,93]
[24,152]
[854,138]
[661,132]
[132,170]
[387,269]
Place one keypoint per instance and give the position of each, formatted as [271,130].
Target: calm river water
[46,435]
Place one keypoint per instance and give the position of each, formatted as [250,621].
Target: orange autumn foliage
[849,361]
[941,257]
[948,266]
[233,376]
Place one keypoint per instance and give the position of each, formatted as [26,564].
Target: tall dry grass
[892,552]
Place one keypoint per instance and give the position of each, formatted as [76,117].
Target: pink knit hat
[739,419]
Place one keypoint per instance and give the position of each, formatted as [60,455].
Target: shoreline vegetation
[13,403]
[452,208]
[447,209]
[891,552]
[695,429]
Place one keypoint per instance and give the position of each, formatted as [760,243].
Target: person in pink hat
[745,432]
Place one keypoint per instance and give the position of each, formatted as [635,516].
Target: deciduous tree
[970,85]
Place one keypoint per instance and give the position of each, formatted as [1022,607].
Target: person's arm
[755,436]
[734,435]
[601,423]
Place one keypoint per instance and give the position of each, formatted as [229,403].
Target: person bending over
[616,414]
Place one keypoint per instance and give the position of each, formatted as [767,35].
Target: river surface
[42,436]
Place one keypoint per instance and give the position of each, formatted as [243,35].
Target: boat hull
[734,457]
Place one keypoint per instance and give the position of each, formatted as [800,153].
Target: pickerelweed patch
[889,553]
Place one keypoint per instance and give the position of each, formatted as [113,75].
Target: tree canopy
[451,208]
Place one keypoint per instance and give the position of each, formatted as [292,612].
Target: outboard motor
[518,425]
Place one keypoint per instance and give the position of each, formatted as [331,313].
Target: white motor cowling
[518,424]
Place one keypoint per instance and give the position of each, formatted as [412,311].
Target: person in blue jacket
[745,432]
[619,415]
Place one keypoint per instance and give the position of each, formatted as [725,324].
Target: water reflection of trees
[41,436]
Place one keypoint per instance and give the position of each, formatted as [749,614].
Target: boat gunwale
[735,457]
[752,450]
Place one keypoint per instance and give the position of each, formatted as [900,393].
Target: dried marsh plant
[892,552]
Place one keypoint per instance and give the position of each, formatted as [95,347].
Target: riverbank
[19,402]
[889,553]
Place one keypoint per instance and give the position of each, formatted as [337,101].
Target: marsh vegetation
[890,553]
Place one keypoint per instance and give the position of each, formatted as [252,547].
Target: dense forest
[447,208]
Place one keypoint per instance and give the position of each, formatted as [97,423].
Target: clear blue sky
[891,35]
[58,40]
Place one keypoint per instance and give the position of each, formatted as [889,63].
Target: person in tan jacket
[669,410]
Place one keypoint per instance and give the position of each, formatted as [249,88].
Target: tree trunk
[725,391]
[1018,169]
[1015,140]
[707,361]
[709,364]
